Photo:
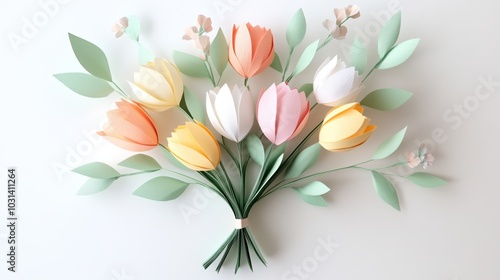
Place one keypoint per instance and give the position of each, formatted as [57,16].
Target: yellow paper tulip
[345,128]
[195,146]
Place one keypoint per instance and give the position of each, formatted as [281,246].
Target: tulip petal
[266,112]
[147,100]
[262,50]
[206,141]
[173,76]
[352,141]
[243,48]
[335,111]
[245,113]
[225,108]
[324,70]
[127,145]
[288,115]
[128,129]
[212,116]
[136,115]
[190,157]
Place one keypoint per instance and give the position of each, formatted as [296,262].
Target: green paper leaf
[91,57]
[296,29]
[276,64]
[93,186]
[134,27]
[190,65]
[390,145]
[307,89]
[141,162]
[386,99]
[255,148]
[195,106]
[173,160]
[426,180]
[316,200]
[306,58]
[161,189]
[98,170]
[389,34]
[303,161]
[85,84]
[399,54]
[272,168]
[385,190]
[219,52]
[358,56]
[145,55]
[314,188]
[276,152]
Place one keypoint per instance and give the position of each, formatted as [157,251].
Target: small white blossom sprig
[336,28]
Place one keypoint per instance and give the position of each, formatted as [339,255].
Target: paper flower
[421,157]
[130,128]
[195,33]
[334,84]
[340,15]
[282,112]
[230,112]
[353,11]
[337,32]
[251,49]
[194,146]
[345,128]
[158,86]
[120,27]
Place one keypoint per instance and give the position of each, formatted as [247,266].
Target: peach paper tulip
[194,146]
[345,128]
[130,128]
[158,85]
[282,112]
[251,49]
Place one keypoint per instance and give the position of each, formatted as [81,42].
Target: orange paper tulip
[130,128]
[251,49]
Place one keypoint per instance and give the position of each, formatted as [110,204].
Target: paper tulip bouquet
[236,137]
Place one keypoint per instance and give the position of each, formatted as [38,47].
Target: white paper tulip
[231,112]
[335,84]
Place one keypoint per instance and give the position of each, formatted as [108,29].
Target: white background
[449,233]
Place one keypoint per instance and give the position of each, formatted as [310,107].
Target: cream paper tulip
[158,85]
[231,112]
[335,84]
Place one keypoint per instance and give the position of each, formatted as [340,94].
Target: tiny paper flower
[282,112]
[204,23]
[334,84]
[251,49]
[130,128]
[191,33]
[120,27]
[352,11]
[421,157]
[194,146]
[158,85]
[340,14]
[231,112]
[345,128]
[337,32]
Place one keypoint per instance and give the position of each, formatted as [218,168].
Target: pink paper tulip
[130,127]
[282,112]
[251,49]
